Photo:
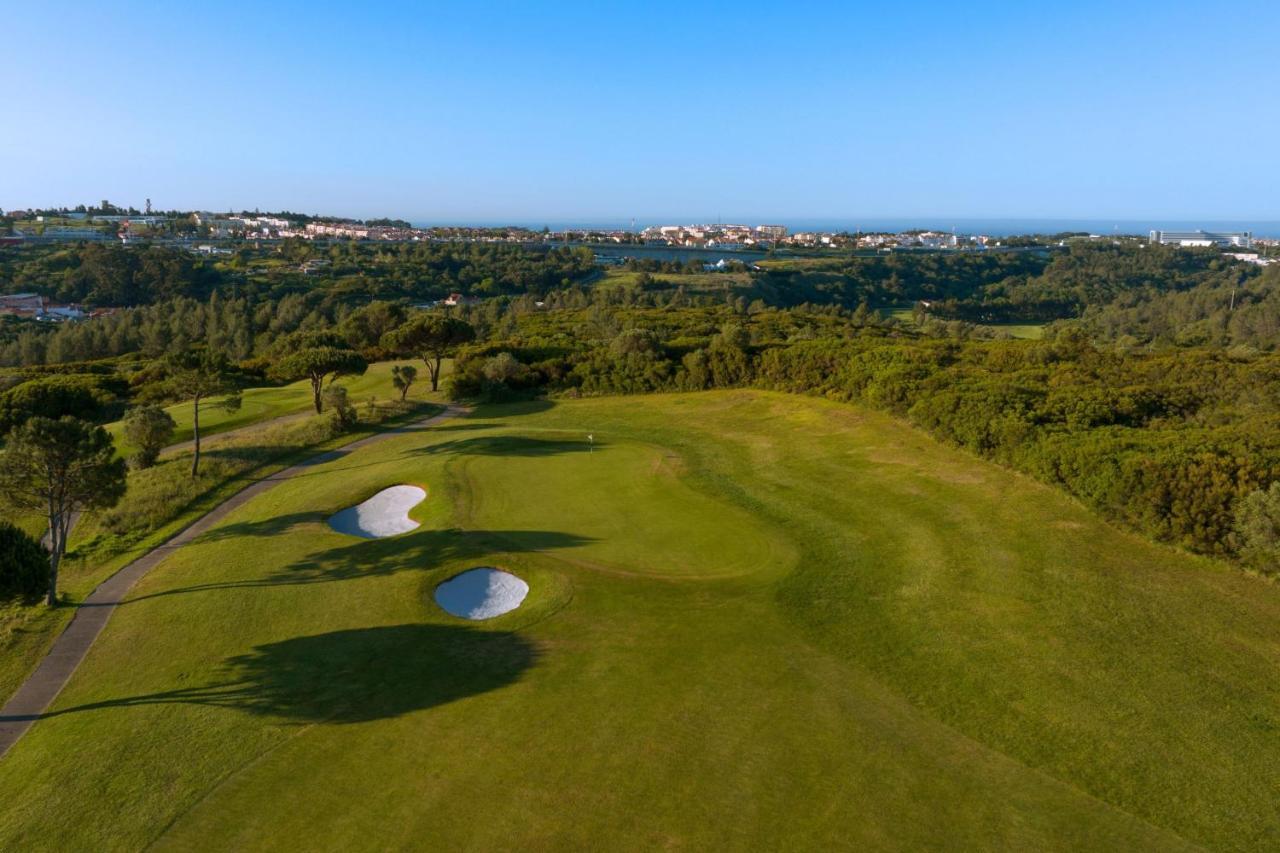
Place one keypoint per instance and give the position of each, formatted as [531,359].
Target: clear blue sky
[574,111]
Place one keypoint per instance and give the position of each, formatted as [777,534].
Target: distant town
[109,222]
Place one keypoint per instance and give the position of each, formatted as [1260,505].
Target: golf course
[732,620]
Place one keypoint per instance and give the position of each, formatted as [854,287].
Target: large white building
[1236,239]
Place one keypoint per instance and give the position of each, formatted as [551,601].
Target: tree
[148,428]
[502,369]
[431,337]
[24,564]
[733,335]
[196,375]
[1257,524]
[364,328]
[316,357]
[60,467]
[402,377]
[630,341]
[52,397]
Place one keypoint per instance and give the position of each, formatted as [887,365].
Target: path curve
[60,662]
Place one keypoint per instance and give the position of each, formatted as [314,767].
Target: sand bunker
[384,514]
[481,593]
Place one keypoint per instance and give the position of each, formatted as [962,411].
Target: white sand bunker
[384,514]
[481,593]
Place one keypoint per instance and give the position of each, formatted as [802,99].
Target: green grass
[755,622]
[160,502]
[1020,331]
[710,282]
[262,404]
[30,523]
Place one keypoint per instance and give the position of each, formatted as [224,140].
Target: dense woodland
[1155,398]
[1034,285]
[107,275]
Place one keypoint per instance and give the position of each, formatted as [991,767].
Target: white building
[1225,239]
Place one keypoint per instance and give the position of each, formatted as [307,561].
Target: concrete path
[42,686]
[209,442]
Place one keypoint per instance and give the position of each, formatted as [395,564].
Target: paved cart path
[43,686]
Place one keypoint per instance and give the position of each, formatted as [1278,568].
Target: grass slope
[159,503]
[263,404]
[755,621]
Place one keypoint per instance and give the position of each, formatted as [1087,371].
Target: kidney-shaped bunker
[481,593]
[384,514]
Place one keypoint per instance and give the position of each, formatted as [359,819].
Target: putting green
[753,621]
[627,499]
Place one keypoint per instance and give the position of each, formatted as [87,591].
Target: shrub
[340,409]
[24,564]
[148,428]
[52,397]
[1257,524]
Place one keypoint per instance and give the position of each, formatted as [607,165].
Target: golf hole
[384,514]
[481,593]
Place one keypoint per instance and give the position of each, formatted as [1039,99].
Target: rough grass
[160,502]
[755,622]
[262,404]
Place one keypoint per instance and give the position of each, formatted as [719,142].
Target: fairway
[753,621]
[1018,331]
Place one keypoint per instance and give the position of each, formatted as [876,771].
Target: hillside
[753,618]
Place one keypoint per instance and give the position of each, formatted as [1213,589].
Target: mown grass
[1019,331]
[710,282]
[755,622]
[159,503]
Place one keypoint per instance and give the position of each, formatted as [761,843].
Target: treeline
[900,277]
[237,326]
[1238,307]
[1169,444]
[1007,286]
[428,270]
[107,275]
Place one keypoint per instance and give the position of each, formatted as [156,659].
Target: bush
[340,409]
[52,397]
[24,564]
[1257,525]
[148,428]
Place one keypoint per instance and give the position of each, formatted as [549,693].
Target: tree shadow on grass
[512,409]
[464,426]
[508,445]
[423,550]
[354,676]
[273,526]
[323,458]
